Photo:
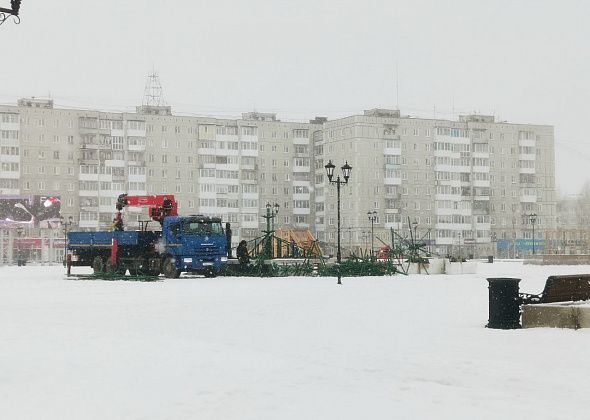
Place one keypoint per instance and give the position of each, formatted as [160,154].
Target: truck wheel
[170,270]
[211,273]
[98,265]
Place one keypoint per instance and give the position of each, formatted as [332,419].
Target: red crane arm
[159,206]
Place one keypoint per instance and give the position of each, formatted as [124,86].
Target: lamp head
[346,169]
[330,169]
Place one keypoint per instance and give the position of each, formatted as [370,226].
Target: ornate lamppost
[274,209]
[13,11]
[533,220]
[271,212]
[372,215]
[346,169]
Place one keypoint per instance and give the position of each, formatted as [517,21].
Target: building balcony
[526,170]
[393,166]
[85,161]
[392,181]
[483,155]
[452,197]
[449,212]
[453,226]
[134,178]
[9,175]
[305,169]
[481,211]
[244,152]
[481,197]
[249,166]
[302,211]
[527,143]
[116,162]
[301,140]
[87,177]
[447,153]
[391,134]
[7,126]
[485,184]
[136,162]
[527,156]
[528,198]
[10,191]
[131,133]
[302,196]
[10,142]
[88,193]
[394,225]
[392,151]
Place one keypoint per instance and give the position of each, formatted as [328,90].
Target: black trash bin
[490,259]
[504,304]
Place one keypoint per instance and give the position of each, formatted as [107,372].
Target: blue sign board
[520,244]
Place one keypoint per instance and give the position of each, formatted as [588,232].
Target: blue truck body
[185,244]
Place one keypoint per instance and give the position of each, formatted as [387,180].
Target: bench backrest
[566,288]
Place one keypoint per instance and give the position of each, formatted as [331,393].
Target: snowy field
[285,348]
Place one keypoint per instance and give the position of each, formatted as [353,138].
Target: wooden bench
[562,288]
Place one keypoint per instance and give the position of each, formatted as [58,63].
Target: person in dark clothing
[242,254]
[228,239]
[118,222]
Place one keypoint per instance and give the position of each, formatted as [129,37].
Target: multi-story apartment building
[457,183]
[461,183]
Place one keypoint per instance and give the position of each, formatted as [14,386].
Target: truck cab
[194,243]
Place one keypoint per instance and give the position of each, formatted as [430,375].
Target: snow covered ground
[286,348]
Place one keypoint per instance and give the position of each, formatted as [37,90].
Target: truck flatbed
[105,239]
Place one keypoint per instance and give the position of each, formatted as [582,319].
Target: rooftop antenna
[152,95]
[396,86]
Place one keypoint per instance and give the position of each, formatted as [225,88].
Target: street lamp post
[346,169]
[5,12]
[65,225]
[372,215]
[494,243]
[513,238]
[533,219]
[271,211]
[274,209]
[415,226]
[20,260]
[365,237]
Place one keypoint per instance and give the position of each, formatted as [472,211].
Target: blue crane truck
[195,244]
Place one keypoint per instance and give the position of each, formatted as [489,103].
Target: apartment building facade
[466,183]
[457,184]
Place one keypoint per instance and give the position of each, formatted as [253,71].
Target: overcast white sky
[524,61]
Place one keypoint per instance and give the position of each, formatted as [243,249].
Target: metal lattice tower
[152,95]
